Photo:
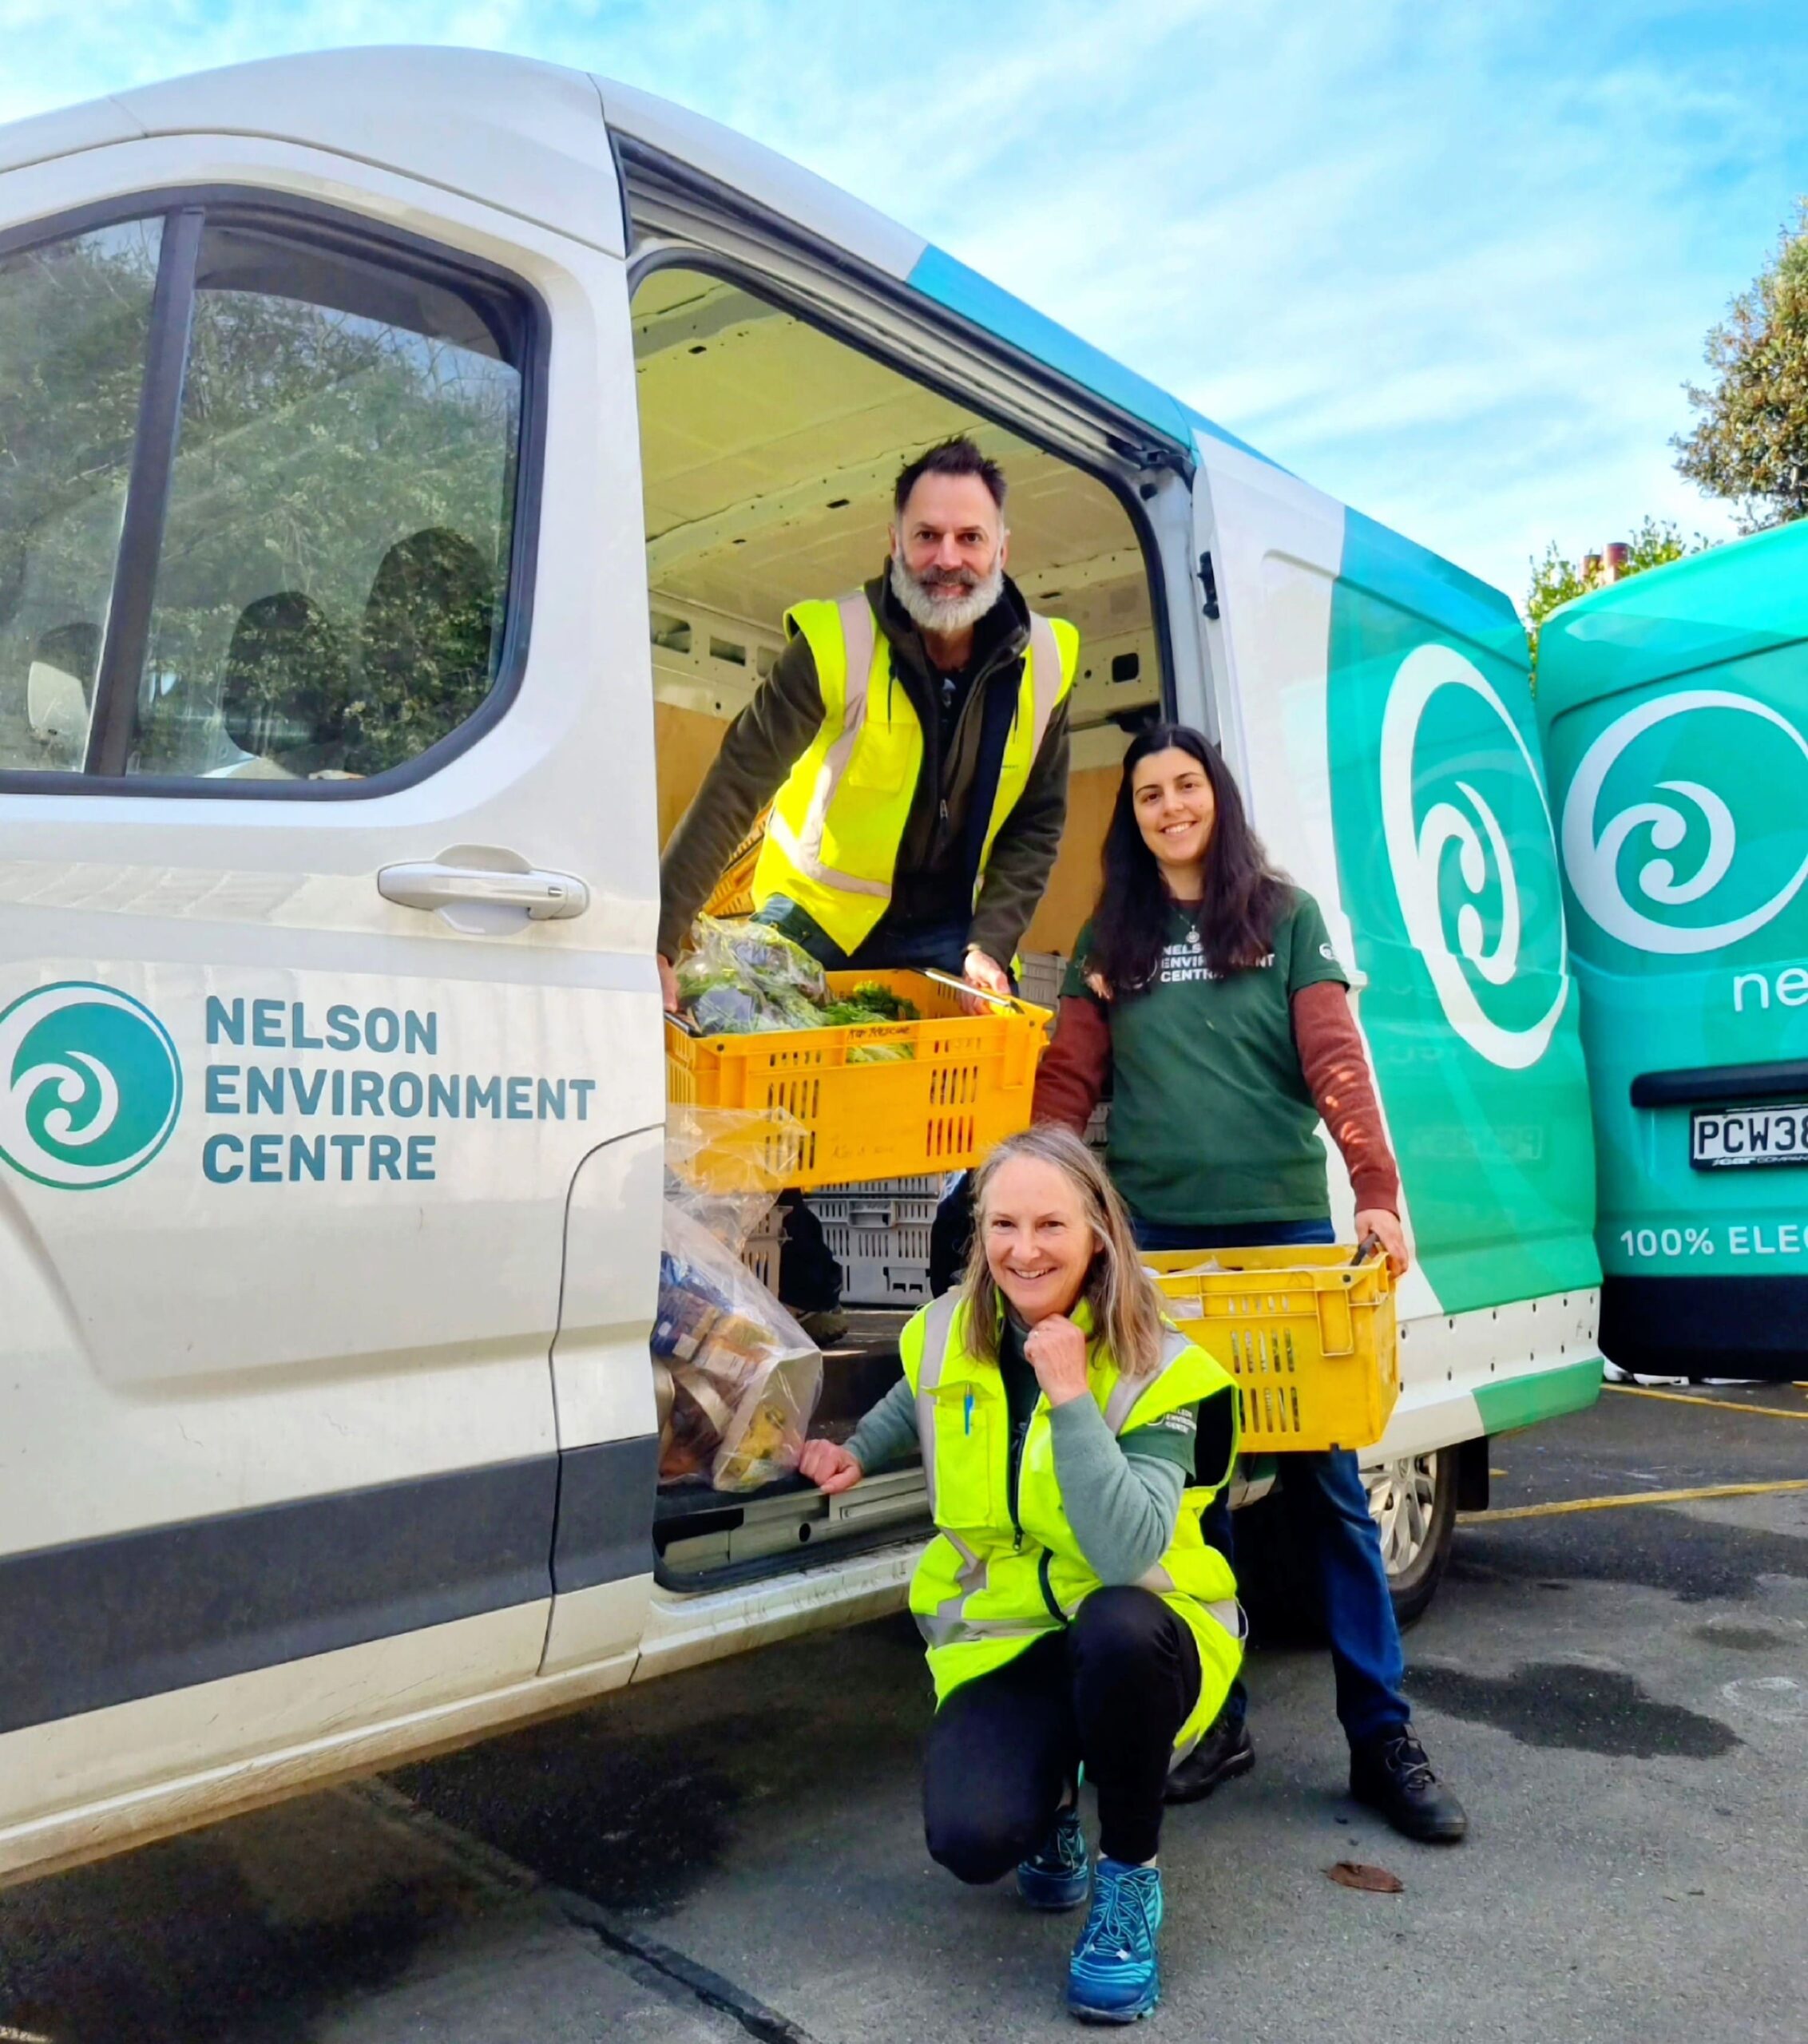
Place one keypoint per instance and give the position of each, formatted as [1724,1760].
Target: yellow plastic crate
[1309,1337]
[968,1086]
[733,892]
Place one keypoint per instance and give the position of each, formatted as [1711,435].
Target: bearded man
[912,740]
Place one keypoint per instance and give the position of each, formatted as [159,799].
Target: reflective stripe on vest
[820,808]
[804,848]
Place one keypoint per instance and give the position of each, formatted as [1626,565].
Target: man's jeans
[1321,1499]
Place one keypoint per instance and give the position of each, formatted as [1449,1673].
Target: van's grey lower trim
[1706,1082]
[606,1499]
[133,1614]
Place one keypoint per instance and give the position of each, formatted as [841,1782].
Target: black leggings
[1113,1689]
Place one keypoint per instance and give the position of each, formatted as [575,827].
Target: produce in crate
[744,980]
[744,1376]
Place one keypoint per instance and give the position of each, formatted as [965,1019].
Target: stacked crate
[878,1233]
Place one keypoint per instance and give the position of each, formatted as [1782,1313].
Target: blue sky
[1452,264]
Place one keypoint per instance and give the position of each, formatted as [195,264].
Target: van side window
[332,580]
[74,322]
[258,472]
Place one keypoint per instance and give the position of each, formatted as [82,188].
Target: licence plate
[1750,1135]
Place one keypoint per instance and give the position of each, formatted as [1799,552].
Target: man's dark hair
[958,457]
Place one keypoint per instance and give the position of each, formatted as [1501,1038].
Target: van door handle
[484,897]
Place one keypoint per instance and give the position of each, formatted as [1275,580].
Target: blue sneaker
[1057,1876]
[1114,1975]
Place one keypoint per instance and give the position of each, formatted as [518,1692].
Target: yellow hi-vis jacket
[833,837]
[989,1586]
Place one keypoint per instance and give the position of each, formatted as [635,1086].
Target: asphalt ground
[1619,1694]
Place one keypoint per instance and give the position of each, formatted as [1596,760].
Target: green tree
[1557,580]
[1750,444]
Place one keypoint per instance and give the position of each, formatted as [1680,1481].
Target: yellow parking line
[1632,1497]
[1694,1398]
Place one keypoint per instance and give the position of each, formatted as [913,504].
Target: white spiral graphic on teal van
[1592,858]
[90,1085]
[1462,822]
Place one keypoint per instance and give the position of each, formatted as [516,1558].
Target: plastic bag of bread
[744,1377]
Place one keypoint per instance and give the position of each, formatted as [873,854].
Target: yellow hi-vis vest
[987,1586]
[833,837]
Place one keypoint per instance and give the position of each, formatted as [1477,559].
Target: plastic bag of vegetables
[740,1379]
[742,979]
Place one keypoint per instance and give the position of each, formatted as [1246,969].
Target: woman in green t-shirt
[1207,993]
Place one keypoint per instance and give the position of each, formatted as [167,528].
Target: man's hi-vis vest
[988,1586]
[833,837]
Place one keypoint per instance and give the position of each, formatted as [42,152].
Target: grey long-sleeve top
[1122,1506]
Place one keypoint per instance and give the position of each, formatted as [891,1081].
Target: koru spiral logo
[1758,756]
[90,1085]
[1498,868]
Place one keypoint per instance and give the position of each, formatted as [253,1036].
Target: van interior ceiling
[769,450]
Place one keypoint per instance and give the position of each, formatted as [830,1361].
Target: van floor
[705,1538]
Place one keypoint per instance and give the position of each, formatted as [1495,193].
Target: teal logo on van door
[1445,736]
[1682,827]
[1448,870]
[90,1085]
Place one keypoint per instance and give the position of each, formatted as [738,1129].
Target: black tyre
[1413,1499]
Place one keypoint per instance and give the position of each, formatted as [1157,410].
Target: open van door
[1374,700]
[328,890]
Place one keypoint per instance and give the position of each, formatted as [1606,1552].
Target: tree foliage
[1750,444]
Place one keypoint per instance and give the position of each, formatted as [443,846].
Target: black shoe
[1221,1755]
[1391,1774]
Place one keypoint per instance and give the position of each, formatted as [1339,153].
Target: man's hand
[668,985]
[1057,1352]
[981,971]
[1387,1230]
[830,1467]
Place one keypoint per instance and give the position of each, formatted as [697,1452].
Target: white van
[357,411]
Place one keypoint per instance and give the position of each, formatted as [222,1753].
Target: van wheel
[1414,1499]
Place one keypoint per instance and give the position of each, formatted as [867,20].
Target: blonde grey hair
[1127,1315]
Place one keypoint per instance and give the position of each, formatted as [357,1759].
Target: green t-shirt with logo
[1211,1120]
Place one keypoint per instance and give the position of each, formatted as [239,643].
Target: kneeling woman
[1075,1616]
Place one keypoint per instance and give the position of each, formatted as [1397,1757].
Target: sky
[1453,264]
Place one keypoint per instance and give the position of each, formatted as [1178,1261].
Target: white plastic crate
[879,1233]
[760,1253]
[873,1280]
[1039,979]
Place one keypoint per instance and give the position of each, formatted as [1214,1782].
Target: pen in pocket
[969,1412]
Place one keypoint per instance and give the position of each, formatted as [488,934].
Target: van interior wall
[768,449]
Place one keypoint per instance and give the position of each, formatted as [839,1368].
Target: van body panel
[524,137]
[1674,707]
[750,172]
[686,1629]
[256,1329]
[95,1784]
[89,126]
[1449,873]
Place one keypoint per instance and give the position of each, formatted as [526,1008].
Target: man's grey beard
[935,614]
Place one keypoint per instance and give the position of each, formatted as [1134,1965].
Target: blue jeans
[1321,1498]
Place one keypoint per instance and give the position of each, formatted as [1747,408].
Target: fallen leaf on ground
[1370,1880]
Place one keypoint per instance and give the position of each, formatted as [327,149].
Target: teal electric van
[1674,708]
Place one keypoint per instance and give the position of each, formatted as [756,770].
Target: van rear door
[326,901]
[1375,700]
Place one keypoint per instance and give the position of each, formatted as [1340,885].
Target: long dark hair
[1245,897]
